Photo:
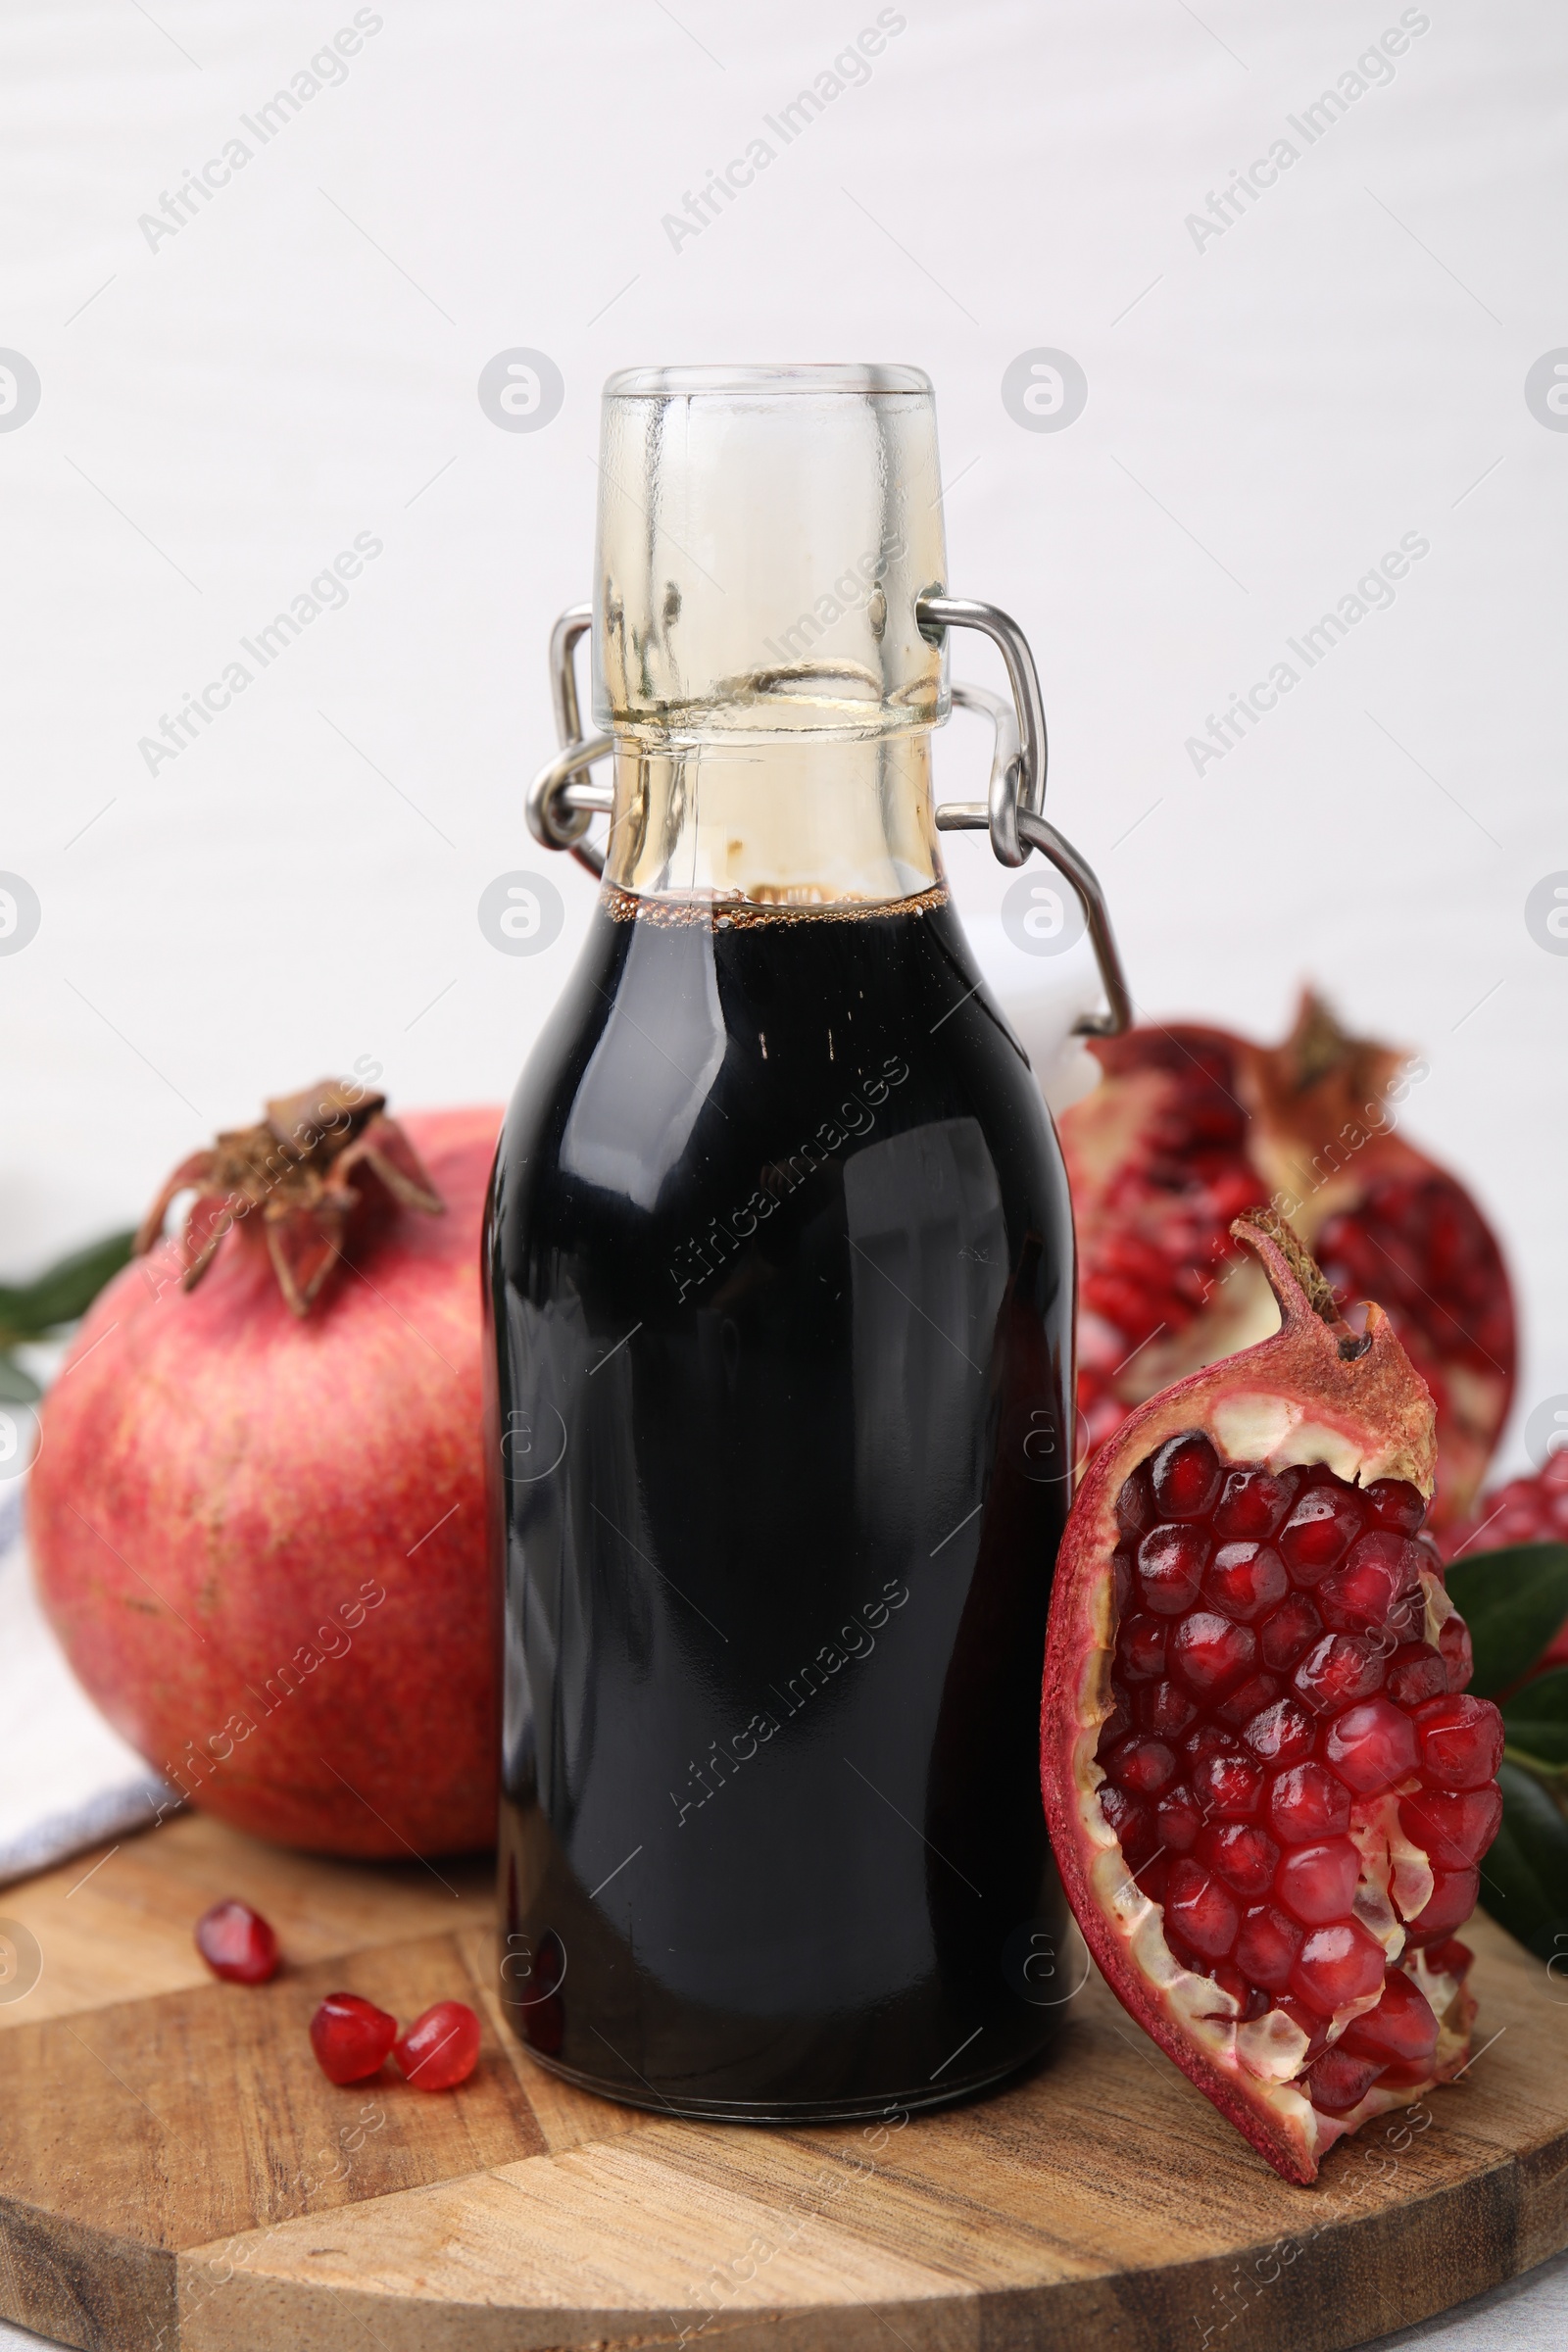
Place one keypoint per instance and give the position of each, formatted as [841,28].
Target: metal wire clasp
[1013,812]
[564,799]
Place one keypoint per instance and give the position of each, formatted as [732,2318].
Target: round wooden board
[175,2172]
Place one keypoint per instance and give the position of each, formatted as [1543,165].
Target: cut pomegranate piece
[441,2048]
[1191,1126]
[237,1944]
[350,2038]
[1461,1741]
[1239,1848]
[1370,1746]
[1454,1831]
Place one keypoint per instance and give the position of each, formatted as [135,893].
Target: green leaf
[1513,1601]
[1536,1717]
[1524,1878]
[64,1291]
[15,1386]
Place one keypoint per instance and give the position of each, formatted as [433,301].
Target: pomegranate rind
[1312,1392]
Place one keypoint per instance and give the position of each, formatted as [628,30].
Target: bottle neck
[793,820]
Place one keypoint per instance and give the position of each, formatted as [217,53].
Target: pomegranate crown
[293,1170]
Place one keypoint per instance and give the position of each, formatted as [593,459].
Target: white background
[299,364]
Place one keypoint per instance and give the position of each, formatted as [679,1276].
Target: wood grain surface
[174,2170]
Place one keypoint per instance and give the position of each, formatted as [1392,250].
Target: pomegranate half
[257,1514]
[1267,1789]
[1191,1126]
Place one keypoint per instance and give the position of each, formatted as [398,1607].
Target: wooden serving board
[175,2172]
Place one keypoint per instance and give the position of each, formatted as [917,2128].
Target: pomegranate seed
[1210,1654]
[1395,1504]
[1228,1787]
[1308,1804]
[350,2038]
[1458,1656]
[1454,1898]
[1252,1503]
[1129,1820]
[1315,2028]
[1141,1649]
[1401,2028]
[1341,1669]
[1338,1964]
[1266,1945]
[1293,1627]
[1170,1568]
[441,2048]
[1317,1882]
[1381,1570]
[1282,1733]
[1452,1830]
[1135,1504]
[1178,1821]
[1244,1581]
[1460,1739]
[1253,1998]
[1211,1739]
[1187,1475]
[1338,2081]
[1151,1877]
[1165,1709]
[237,1944]
[1258,1692]
[1118,1723]
[1146,1766]
[1370,1746]
[1319,1531]
[1200,1910]
[1245,1857]
[1450,1959]
[1417,1671]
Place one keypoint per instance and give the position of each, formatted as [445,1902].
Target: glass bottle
[779,1265]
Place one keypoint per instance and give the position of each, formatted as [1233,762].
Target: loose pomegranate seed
[1460,1739]
[1245,1857]
[1458,1654]
[1228,1787]
[1210,1654]
[1338,2081]
[1266,1945]
[1395,1504]
[237,1944]
[1370,1746]
[1141,1649]
[1452,1830]
[350,2038]
[1308,1804]
[1252,1503]
[441,2048]
[1293,1627]
[1146,1766]
[1317,1883]
[1381,1570]
[1178,1821]
[1166,1710]
[1200,1910]
[1244,1581]
[1335,1965]
[1417,1671]
[1401,2028]
[1170,1567]
[1339,1669]
[1187,1476]
[1319,1531]
[1282,1735]
[1454,1898]
[1248,1700]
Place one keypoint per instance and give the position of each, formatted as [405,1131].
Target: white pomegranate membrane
[1300,1788]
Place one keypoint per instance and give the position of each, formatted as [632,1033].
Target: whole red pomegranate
[1191,1126]
[258,1511]
[1526,1510]
[1268,1791]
